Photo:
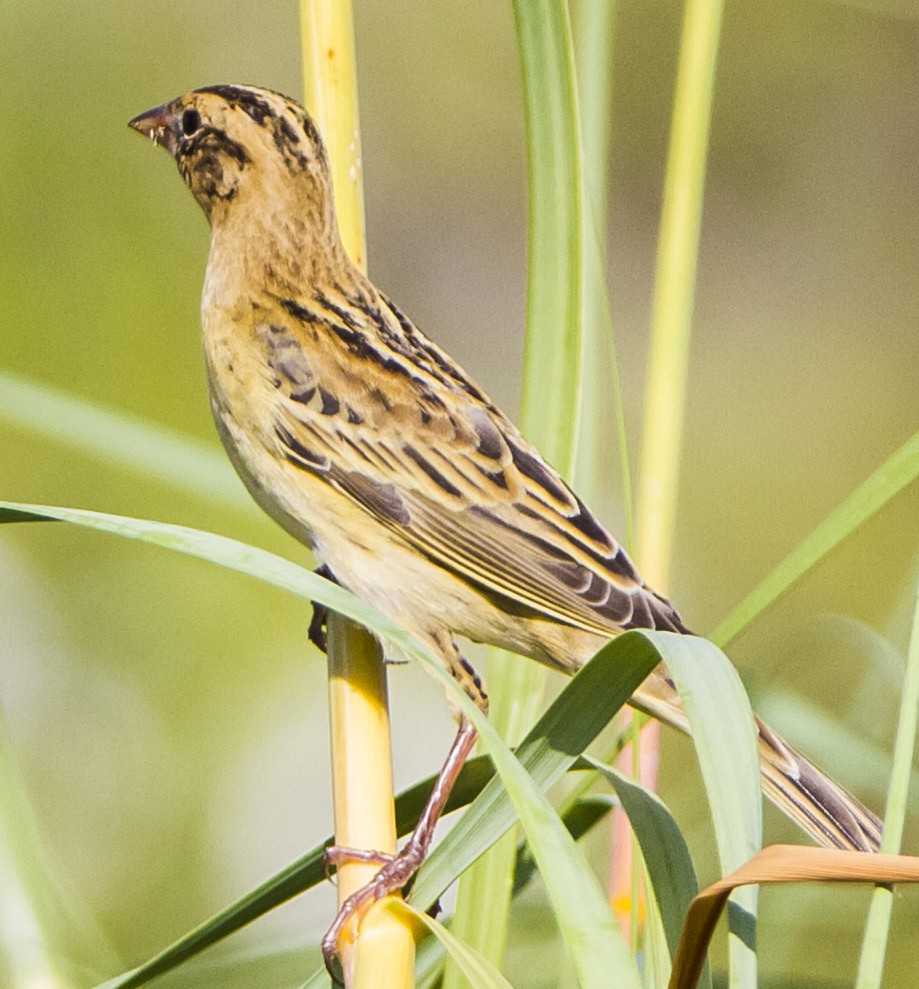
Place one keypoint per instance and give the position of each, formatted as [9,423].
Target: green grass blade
[579,817]
[874,945]
[899,470]
[674,289]
[577,715]
[480,919]
[550,392]
[120,439]
[582,912]
[225,552]
[666,855]
[552,359]
[724,736]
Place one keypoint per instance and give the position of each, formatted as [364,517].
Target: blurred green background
[169,717]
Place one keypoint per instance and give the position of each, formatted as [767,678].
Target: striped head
[242,144]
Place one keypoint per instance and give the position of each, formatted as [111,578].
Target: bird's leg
[397,870]
[317,632]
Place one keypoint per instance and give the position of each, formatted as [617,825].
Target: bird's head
[238,145]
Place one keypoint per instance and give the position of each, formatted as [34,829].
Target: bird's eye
[191,121]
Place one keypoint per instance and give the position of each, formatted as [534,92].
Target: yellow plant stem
[359,713]
[674,293]
[330,91]
[362,785]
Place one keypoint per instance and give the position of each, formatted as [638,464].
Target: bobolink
[368,443]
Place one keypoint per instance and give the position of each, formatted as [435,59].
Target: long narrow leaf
[583,914]
[674,289]
[724,736]
[579,817]
[550,389]
[899,470]
[874,946]
[574,719]
[120,439]
[663,848]
[226,552]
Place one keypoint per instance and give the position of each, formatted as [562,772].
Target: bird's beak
[159,124]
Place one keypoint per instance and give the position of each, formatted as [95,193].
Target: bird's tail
[827,812]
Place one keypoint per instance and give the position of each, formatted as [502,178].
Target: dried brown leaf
[779,864]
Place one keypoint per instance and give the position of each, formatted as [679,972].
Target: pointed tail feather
[809,797]
[827,812]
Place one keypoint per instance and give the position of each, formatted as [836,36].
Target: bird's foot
[394,875]
[398,869]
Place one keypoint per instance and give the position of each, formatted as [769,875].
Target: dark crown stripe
[248,100]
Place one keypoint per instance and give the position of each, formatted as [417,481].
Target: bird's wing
[419,447]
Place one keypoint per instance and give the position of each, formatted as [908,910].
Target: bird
[371,445]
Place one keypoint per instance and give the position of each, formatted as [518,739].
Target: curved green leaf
[229,553]
[572,722]
[899,470]
[724,735]
[121,439]
[663,848]
[579,817]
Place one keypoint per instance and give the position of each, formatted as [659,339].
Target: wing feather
[479,502]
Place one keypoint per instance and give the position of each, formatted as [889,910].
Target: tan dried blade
[779,864]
